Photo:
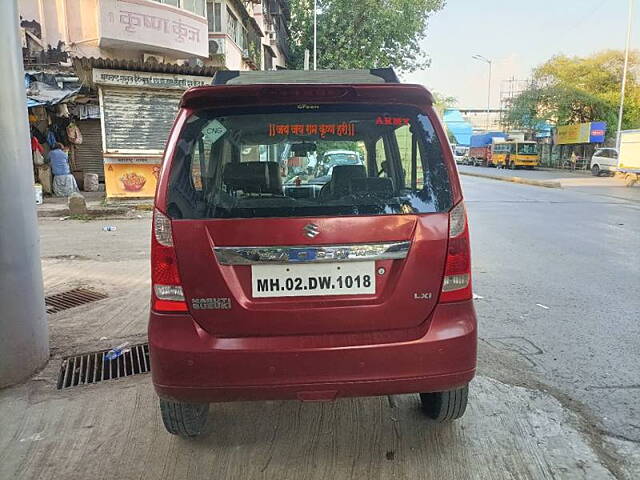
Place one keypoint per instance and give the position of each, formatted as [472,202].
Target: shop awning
[41,93]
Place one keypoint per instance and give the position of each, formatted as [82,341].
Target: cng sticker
[214,131]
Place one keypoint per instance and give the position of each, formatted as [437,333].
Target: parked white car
[604,160]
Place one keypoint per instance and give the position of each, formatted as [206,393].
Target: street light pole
[24,338]
[488,62]
[315,34]
[624,74]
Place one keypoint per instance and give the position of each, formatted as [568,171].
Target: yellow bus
[515,154]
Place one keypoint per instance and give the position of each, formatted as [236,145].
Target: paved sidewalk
[113,431]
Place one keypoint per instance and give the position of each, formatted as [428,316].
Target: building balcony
[149,26]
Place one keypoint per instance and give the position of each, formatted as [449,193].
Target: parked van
[357,286]
[604,160]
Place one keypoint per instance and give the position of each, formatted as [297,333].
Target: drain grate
[71,298]
[94,368]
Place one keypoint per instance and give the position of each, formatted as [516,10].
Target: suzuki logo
[311,230]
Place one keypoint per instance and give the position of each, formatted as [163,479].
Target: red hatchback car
[309,242]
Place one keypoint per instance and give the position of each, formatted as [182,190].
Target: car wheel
[184,419]
[445,406]
[595,171]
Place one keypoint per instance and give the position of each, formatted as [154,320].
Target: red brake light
[169,306]
[457,275]
[167,291]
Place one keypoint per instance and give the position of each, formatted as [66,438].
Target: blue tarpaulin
[484,139]
[45,92]
[543,130]
[456,124]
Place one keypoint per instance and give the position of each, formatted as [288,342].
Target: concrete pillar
[24,342]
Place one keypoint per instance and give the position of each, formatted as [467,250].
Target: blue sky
[517,35]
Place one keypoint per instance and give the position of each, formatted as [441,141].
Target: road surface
[559,273]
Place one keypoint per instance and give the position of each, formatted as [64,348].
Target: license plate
[294,280]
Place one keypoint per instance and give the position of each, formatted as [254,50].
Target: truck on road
[480,151]
[629,158]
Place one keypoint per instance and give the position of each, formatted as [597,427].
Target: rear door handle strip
[311,254]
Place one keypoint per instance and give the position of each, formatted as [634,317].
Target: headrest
[371,185]
[342,175]
[253,177]
[348,171]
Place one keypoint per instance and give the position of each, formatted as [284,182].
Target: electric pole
[624,74]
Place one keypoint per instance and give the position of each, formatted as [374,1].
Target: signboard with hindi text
[590,132]
[125,78]
[131,177]
[153,25]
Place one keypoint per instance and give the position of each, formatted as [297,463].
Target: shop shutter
[88,155]
[138,120]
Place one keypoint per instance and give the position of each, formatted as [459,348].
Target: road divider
[525,181]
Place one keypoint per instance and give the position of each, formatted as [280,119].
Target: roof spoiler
[374,75]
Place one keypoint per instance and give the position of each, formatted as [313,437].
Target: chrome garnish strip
[311,254]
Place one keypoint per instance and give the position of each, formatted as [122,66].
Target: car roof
[239,77]
[255,95]
[331,152]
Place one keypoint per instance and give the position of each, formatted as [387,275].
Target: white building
[134,59]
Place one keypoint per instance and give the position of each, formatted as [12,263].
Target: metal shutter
[88,155]
[138,120]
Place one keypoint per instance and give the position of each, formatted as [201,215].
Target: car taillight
[457,274]
[167,287]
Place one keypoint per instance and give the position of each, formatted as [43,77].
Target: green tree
[362,34]
[568,90]
[443,102]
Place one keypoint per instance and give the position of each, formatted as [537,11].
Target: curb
[525,181]
[91,212]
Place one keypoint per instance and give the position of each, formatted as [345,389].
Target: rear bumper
[190,365]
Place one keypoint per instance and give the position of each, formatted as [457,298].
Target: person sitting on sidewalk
[64,184]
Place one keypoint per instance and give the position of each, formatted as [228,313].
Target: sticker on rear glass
[395,121]
[343,129]
[214,131]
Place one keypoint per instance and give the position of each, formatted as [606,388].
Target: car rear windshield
[307,160]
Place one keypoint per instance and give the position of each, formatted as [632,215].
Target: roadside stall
[580,138]
[49,122]
[137,112]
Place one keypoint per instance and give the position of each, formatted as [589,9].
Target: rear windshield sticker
[214,131]
[343,129]
[395,121]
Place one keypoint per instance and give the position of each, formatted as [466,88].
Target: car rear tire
[595,171]
[184,419]
[444,407]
